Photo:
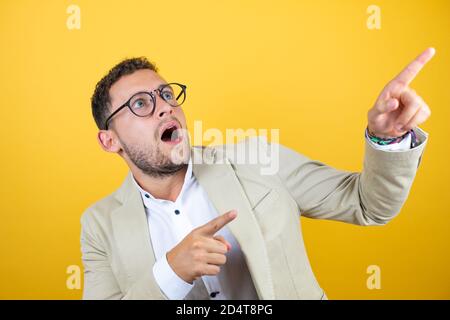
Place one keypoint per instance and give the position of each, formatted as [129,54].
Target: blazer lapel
[132,236]
[216,175]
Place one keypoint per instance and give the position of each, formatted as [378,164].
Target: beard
[154,162]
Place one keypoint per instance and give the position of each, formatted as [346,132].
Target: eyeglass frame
[158,90]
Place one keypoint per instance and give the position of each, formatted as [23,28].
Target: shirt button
[214,294]
[147,195]
[177,211]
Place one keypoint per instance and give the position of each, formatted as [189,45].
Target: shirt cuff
[403,145]
[169,282]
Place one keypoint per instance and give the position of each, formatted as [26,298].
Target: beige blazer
[116,248]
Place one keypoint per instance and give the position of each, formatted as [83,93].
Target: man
[218,228]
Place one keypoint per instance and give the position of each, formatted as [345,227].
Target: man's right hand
[201,252]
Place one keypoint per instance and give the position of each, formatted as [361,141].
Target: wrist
[173,287]
[381,139]
[380,135]
[170,261]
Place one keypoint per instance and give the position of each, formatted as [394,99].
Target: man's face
[149,142]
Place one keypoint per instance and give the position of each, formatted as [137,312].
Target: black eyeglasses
[142,104]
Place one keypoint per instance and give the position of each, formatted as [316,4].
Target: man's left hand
[399,108]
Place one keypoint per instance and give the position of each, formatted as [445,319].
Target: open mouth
[170,132]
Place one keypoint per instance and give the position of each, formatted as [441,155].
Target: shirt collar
[148,198]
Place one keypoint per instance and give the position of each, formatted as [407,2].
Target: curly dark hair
[100,101]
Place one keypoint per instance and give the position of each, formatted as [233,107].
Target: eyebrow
[159,87]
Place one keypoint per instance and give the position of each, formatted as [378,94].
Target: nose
[163,109]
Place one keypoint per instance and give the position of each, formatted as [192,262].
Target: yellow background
[310,68]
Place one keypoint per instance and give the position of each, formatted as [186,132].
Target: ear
[108,141]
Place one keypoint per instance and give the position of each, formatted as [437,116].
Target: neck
[166,188]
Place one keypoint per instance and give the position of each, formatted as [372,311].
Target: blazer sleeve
[371,197]
[99,280]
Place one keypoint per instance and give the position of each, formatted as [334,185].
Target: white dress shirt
[169,222]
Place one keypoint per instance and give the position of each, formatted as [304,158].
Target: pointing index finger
[410,72]
[218,223]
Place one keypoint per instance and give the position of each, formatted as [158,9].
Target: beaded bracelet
[388,141]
